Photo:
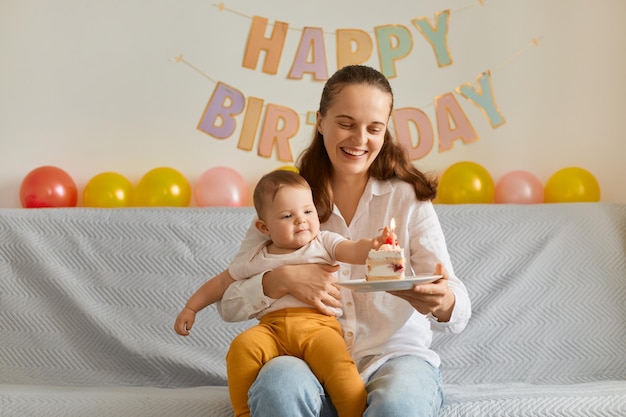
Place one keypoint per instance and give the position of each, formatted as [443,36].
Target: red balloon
[48,186]
[220,186]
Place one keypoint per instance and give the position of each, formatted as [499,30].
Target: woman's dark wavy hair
[392,161]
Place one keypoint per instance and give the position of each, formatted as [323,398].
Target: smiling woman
[361,178]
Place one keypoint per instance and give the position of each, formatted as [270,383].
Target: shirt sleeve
[247,264]
[330,240]
[460,315]
[428,250]
[245,298]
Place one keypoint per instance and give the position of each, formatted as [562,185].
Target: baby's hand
[184,321]
[386,237]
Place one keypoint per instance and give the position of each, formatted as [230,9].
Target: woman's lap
[286,387]
[405,386]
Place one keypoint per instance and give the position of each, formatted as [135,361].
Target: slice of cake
[386,263]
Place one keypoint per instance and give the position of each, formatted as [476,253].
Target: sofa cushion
[113,401]
[604,398]
[601,398]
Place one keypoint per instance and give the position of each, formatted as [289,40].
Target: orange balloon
[108,190]
[465,183]
[163,186]
[48,186]
[570,185]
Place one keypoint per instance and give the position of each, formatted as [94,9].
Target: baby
[287,215]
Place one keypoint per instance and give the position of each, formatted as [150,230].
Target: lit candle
[392,227]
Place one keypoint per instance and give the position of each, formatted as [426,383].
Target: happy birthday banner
[279,123]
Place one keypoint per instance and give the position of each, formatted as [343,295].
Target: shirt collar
[378,187]
[373,188]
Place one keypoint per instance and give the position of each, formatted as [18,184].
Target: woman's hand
[313,284]
[435,298]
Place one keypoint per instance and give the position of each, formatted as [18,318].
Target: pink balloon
[48,186]
[519,187]
[220,186]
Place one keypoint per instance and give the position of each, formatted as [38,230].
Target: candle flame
[392,224]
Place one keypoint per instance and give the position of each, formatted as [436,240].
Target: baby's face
[291,218]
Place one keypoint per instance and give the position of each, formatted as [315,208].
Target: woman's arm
[436,298]
[446,300]
[312,284]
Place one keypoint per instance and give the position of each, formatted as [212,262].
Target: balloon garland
[470,183]
[462,183]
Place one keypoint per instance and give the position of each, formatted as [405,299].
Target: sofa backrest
[548,290]
[89,296]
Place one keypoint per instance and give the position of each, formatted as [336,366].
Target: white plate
[361,285]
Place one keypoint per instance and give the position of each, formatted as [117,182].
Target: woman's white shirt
[377,326]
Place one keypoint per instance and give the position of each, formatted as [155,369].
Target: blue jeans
[406,386]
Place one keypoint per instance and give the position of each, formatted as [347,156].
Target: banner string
[221,7]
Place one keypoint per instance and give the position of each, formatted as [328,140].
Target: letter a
[452,122]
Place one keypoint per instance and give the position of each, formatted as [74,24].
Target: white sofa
[88,299]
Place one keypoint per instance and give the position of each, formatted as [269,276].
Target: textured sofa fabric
[88,299]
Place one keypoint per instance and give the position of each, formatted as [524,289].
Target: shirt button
[345,272]
[350,335]
[349,304]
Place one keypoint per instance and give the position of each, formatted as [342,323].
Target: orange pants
[306,334]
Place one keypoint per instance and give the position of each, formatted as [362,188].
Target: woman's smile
[353,151]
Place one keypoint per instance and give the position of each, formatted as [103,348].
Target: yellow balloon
[289,168]
[465,183]
[163,187]
[570,185]
[108,190]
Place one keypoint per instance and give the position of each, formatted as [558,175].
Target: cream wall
[93,86]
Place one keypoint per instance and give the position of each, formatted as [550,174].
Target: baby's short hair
[269,184]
